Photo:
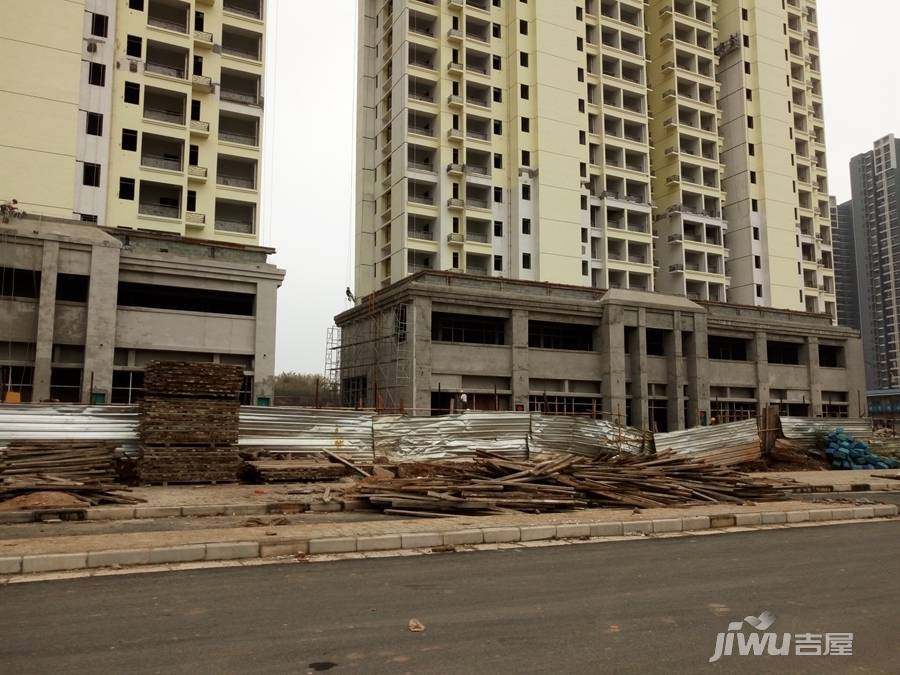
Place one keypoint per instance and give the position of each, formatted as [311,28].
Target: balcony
[199,128]
[250,9]
[162,105]
[203,38]
[419,260]
[420,192]
[235,216]
[236,172]
[160,152]
[239,129]
[455,238]
[159,200]
[456,204]
[243,44]
[195,219]
[421,56]
[197,174]
[167,60]
[420,227]
[169,15]
[240,87]
[202,83]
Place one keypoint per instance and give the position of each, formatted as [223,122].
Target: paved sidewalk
[78,552]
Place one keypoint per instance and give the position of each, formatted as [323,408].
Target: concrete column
[854,361]
[815,383]
[520,358]
[43,347]
[698,372]
[677,377]
[264,355]
[421,356]
[612,355]
[100,339]
[640,415]
[761,358]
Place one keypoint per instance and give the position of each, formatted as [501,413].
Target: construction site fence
[364,435]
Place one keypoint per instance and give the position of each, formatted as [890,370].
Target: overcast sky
[309,143]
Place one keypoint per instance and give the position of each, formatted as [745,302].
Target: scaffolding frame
[376,346]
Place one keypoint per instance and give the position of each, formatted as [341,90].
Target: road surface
[645,606]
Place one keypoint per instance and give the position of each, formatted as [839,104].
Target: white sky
[309,144]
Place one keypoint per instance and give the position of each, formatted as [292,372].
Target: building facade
[652,360]
[674,145]
[847,272]
[83,309]
[145,114]
[867,253]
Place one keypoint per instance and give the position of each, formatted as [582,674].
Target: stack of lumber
[71,460]
[189,422]
[492,484]
[193,380]
[176,421]
[275,470]
[91,493]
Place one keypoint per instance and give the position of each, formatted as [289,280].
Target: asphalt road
[644,607]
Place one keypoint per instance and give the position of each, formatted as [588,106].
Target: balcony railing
[241,53]
[159,210]
[197,171]
[199,125]
[417,267]
[417,233]
[250,14]
[238,97]
[478,236]
[204,37]
[162,69]
[195,218]
[164,115]
[202,81]
[235,181]
[234,225]
[241,139]
[168,25]
[161,162]
[421,166]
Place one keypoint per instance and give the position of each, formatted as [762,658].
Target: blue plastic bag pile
[845,452]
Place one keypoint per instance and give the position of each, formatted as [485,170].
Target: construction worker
[9,208]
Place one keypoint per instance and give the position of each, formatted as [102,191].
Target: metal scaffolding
[368,360]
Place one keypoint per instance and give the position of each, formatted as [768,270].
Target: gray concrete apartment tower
[867,252]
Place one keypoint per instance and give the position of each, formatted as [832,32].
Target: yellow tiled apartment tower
[144,114]
[603,143]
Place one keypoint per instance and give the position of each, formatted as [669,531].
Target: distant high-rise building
[562,142]
[847,276]
[870,257]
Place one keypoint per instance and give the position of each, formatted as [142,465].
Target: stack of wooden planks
[193,380]
[491,484]
[189,422]
[93,493]
[71,460]
[275,470]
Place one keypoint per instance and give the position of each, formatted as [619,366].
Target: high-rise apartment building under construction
[670,145]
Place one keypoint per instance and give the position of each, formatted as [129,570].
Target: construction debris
[722,444]
[189,423]
[492,484]
[71,460]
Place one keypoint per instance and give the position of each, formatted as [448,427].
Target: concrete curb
[54,562]
[194,511]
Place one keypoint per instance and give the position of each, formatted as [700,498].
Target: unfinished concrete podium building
[652,360]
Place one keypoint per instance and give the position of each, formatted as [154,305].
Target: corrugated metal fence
[363,435]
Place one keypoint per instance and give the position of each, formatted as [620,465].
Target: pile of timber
[189,422]
[83,461]
[280,470]
[93,493]
[193,380]
[492,484]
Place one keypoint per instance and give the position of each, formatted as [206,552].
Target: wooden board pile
[275,470]
[492,485]
[90,493]
[189,423]
[81,461]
